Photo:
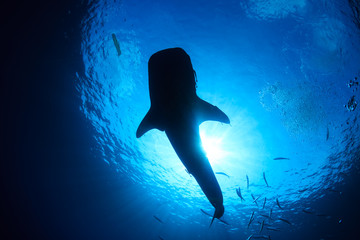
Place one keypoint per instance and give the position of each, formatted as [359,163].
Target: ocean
[75,90]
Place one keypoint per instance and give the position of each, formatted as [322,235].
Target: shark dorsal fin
[208,112]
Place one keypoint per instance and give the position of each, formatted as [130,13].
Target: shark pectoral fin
[207,111]
[148,123]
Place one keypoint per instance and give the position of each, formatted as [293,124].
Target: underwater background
[75,88]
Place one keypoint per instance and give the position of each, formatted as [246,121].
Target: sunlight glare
[213,147]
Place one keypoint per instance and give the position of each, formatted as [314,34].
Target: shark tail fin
[149,122]
[212,220]
[207,111]
[219,212]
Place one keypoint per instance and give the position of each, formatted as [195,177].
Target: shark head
[171,76]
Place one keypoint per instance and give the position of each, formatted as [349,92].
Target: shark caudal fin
[149,122]
[219,212]
[209,112]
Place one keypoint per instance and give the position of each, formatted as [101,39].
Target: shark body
[177,110]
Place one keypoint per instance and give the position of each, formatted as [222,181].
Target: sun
[212,146]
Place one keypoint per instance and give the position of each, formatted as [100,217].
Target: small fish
[238,192]
[261,226]
[284,220]
[250,237]
[116,43]
[308,212]
[266,216]
[255,200]
[188,172]
[222,173]
[247,182]
[270,213]
[253,197]
[277,202]
[161,238]
[327,133]
[261,237]
[273,229]
[281,158]
[251,219]
[158,219]
[264,203]
[322,215]
[265,179]
[302,190]
[333,190]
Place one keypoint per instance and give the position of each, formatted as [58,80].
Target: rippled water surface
[285,72]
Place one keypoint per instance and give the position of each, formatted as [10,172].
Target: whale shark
[178,111]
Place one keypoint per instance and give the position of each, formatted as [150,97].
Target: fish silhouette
[177,110]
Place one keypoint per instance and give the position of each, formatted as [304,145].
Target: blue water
[279,69]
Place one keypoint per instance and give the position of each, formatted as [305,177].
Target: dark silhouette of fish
[307,211]
[322,215]
[177,110]
[247,182]
[250,237]
[333,190]
[222,173]
[251,219]
[265,179]
[277,202]
[159,220]
[255,199]
[302,190]
[273,229]
[281,158]
[238,192]
[261,237]
[264,203]
[327,133]
[284,220]
[266,216]
[116,43]
[261,226]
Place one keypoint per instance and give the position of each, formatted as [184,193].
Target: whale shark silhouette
[177,110]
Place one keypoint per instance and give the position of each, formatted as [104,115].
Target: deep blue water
[281,70]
